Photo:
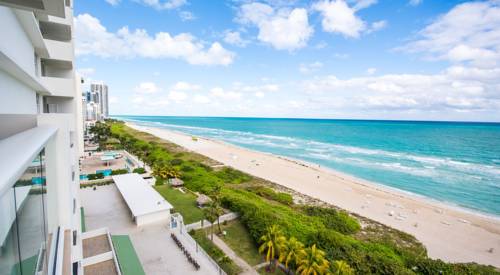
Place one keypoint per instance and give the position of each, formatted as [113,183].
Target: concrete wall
[14,42]
[15,97]
[157,217]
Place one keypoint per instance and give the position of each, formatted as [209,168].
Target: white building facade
[41,139]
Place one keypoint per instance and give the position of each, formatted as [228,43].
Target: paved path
[246,268]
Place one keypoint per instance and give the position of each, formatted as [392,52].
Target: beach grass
[184,203]
[368,249]
[239,240]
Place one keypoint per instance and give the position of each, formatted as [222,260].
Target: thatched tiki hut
[203,200]
[175,182]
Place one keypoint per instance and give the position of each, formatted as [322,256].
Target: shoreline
[448,232]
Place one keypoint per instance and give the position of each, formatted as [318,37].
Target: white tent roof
[141,198]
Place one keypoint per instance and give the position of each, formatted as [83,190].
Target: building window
[24,222]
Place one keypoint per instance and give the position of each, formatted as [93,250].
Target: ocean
[451,162]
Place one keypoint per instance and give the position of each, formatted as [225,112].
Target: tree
[210,215]
[163,171]
[216,203]
[291,251]
[312,262]
[272,242]
[341,268]
[101,132]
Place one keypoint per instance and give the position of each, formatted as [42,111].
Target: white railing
[204,224]
[183,231]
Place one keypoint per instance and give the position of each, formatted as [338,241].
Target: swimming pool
[106,172]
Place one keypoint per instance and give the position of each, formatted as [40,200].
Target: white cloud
[185,86]
[469,32]
[284,29]
[371,71]
[456,89]
[146,88]
[113,2]
[201,99]
[415,2]
[259,94]
[234,38]
[311,67]
[219,92]
[113,99]
[177,96]
[338,17]
[93,39]
[187,16]
[163,5]
[378,25]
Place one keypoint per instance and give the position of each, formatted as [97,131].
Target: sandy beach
[448,233]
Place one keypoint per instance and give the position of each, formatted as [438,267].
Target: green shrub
[187,168]
[270,194]
[333,219]
[176,162]
[230,175]
[95,176]
[139,170]
[119,172]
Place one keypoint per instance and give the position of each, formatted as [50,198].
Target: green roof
[127,257]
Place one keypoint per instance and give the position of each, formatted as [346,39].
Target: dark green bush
[176,162]
[119,172]
[139,170]
[95,176]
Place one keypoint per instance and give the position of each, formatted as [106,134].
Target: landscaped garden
[184,203]
[326,239]
[239,240]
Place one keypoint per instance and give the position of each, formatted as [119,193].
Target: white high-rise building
[40,139]
[99,95]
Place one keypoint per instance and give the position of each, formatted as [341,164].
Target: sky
[346,59]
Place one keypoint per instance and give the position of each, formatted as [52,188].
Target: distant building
[99,95]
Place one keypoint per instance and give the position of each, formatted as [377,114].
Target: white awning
[140,197]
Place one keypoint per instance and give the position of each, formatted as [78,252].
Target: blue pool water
[454,162]
[84,177]
[106,172]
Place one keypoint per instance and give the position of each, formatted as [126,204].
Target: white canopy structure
[146,205]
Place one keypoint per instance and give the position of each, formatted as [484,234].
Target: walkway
[245,267]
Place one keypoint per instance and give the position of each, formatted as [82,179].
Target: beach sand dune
[449,233]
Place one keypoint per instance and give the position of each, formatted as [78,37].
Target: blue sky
[430,60]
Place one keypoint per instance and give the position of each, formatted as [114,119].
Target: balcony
[59,50]
[59,20]
[59,86]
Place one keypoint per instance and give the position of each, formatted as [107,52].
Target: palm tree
[341,268]
[291,251]
[312,262]
[216,203]
[210,215]
[272,243]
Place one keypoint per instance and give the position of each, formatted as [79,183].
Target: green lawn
[275,271]
[215,252]
[127,258]
[184,203]
[238,238]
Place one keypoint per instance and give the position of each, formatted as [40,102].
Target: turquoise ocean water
[453,162]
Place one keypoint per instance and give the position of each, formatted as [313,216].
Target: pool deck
[157,252]
[90,164]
